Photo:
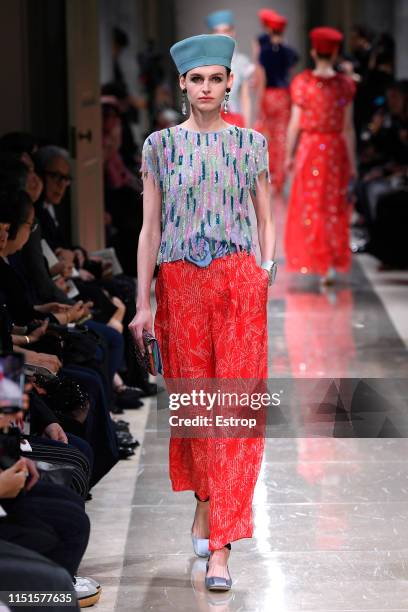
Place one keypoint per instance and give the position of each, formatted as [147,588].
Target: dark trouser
[98,430]
[24,570]
[114,346]
[77,453]
[51,520]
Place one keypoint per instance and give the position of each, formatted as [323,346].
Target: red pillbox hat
[325,40]
[272,19]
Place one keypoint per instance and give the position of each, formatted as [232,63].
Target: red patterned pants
[273,123]
[211,323]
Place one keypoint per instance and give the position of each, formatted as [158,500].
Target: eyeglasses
[60,178]
[32,226]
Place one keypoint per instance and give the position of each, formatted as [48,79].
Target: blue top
[276,60]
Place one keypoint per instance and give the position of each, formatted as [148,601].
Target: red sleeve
[297,90]
[349,88]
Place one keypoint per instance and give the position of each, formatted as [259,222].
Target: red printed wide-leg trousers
[212,323]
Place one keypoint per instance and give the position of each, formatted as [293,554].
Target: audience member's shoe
[148,389]
[121,423]
[89,580]
[88,591]
[132,406]
[125,452]
[127,397]
[116,410]
[125,438]
[121,426]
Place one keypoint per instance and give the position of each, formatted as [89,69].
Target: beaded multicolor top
[205,180]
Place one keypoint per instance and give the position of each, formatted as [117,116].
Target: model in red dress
[317,229]
[275,60]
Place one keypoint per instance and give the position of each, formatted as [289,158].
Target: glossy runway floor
[330,514]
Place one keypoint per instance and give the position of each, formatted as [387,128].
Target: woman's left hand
[52,307]
[39,332]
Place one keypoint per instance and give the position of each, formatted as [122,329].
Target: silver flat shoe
[217,583]
[200,546]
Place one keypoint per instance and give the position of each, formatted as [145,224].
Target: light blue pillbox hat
[220,18]
[203,50]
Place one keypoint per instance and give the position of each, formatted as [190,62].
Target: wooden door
[85,136]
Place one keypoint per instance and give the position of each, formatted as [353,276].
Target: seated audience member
[22,569]
[47,519]
[383,183]
[52,163]
[32,266]
[98,428]
[129,150]
[123,189]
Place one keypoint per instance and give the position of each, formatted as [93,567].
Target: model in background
[275,59]
[239,102]
[317,230]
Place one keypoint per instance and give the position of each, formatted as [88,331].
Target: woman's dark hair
[15,208]
[116,89]
[363,32]
[7,212]
[120,38]
[227,69]
[13,172]
[324,56]
[18,142]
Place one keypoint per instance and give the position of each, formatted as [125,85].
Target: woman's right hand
[142,320]
[51,362]
[13,479]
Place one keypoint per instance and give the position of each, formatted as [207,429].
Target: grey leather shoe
[217,583]
[200,546]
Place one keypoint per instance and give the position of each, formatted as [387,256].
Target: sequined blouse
[205,181]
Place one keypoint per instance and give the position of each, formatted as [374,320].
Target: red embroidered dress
[317,229]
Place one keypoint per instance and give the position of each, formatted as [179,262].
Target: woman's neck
[324,68]
[275,40]
[204,122]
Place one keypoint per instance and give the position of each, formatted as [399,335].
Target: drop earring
[184,102]
[226,99]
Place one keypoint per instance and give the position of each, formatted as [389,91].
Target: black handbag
[55,473]
[79,346]
[9,448]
